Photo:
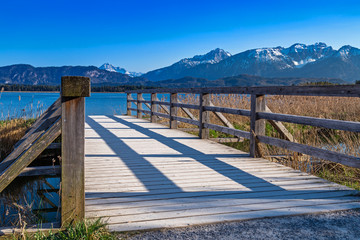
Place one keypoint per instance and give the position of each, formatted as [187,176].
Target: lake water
[32,104]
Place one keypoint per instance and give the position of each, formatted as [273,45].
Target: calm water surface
[32,104]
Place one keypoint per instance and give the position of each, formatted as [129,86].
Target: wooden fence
[258,114]
[66,117]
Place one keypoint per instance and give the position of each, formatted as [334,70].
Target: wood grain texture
[128,103]
[40,126]
[142,175]
[173,110]
[30,154]
[139,105]
[72,160]
[257,126]
[204,115]
[154,108]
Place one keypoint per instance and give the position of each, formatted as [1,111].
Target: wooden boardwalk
[141,175]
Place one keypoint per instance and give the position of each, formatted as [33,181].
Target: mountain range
[296,64]
[299,60]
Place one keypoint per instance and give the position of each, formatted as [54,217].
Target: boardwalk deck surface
[141,175]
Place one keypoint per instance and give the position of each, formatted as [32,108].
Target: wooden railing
[258,114]
[65,117]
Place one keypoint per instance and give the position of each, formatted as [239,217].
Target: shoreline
[47,92]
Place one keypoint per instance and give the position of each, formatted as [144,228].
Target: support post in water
[204,115]
[257,126]
[139,105]
[153,107]
[128,104]
[73,91]
[173,110]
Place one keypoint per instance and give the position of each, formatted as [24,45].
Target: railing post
[204,115]
[257,126]
[128,104]
[139,105]
[73,91]
[153,108]
[173,110]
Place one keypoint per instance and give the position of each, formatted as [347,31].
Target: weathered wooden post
[73,91]
[128,104]
[204,115]
[153,108]
[139,105]
[173,110]
[257,126]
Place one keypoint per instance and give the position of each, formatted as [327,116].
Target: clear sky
[149,34]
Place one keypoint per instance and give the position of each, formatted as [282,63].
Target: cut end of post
[75,86]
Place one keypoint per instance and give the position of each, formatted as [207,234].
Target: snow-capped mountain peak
[111,68]
[211,57]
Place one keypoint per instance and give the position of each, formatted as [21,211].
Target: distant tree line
[49,88]
[357,82]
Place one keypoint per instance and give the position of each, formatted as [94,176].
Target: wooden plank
[344,159]
[235,111]
[173,110]
[232,200]
[187,120]
[128,104]
[162,103]
[161,115]
[311,121]
[231,131]
[338,90]
[33,134]
[231,216]
[73,151]
[257,126]
[204,116]
[185,105]
[154,108]
[227,140]
[41,171]
[30,154]
[139,105]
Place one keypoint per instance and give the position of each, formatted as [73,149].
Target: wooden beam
[204,116]
[36,130]
[41,171]
[173,110]
[257,126]
[311,121]
[73,150]
[154,107]
[139,105]
[30,154]
[128,104]
[344,159]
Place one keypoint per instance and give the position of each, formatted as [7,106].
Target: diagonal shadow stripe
[197,155]
[120,148]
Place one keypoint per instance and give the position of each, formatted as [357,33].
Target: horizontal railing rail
[258,114]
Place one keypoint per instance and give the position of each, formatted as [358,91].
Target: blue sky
[145,35]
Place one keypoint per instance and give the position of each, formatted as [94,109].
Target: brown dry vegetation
[11,131]
[341,108]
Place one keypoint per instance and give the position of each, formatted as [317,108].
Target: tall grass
[341,108]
